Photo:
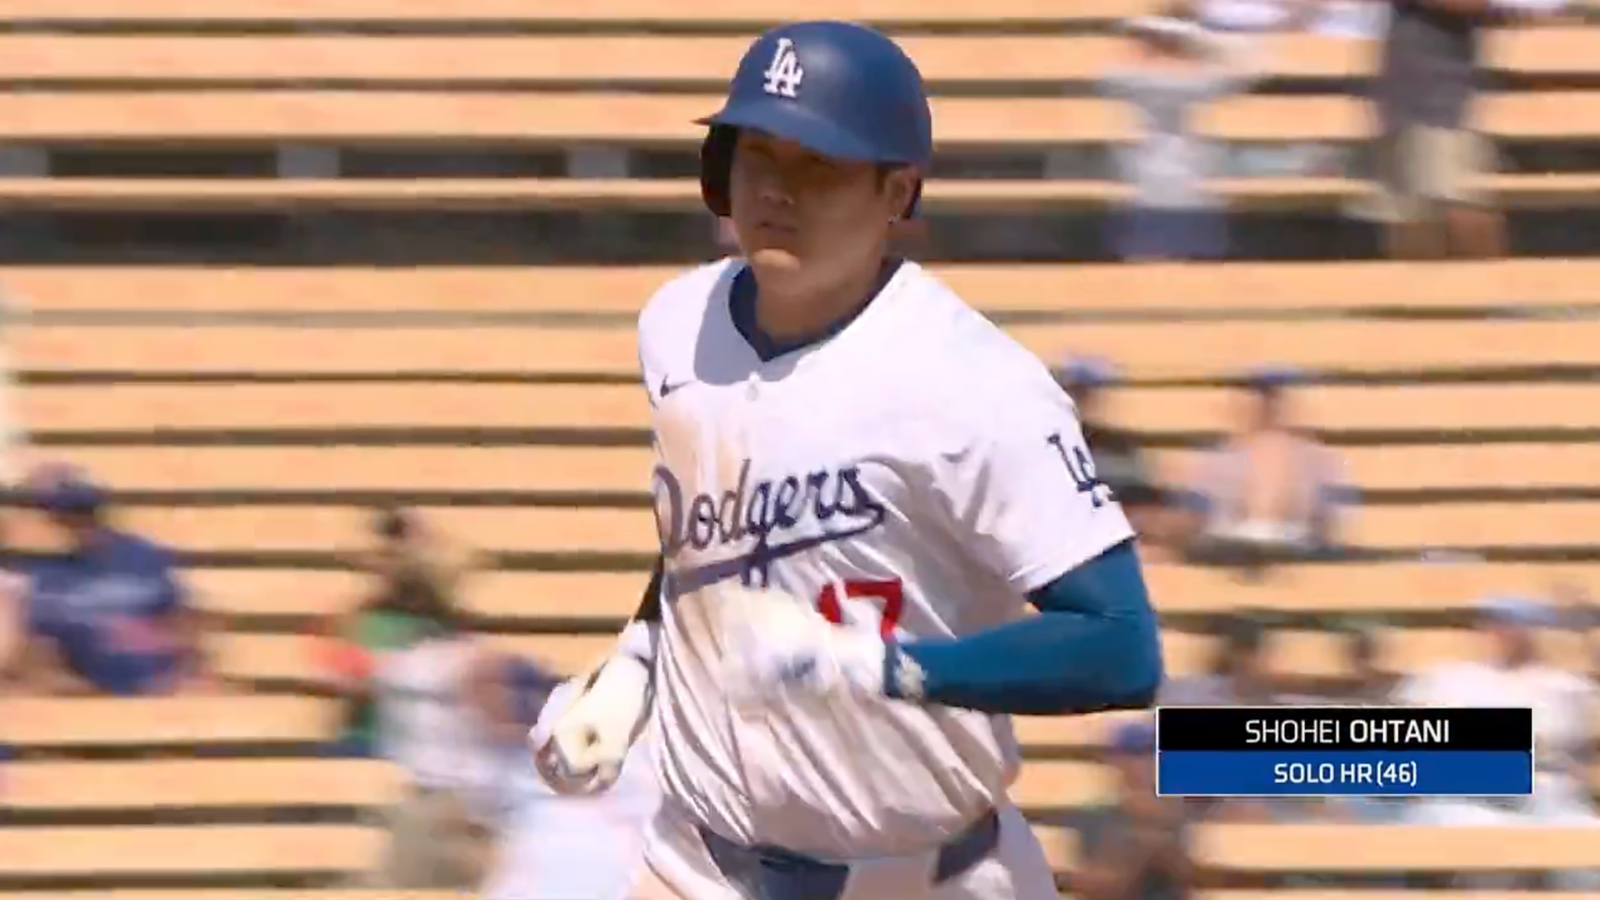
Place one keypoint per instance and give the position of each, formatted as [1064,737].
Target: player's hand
[777,644]
[583,750]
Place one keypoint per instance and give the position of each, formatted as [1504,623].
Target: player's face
[809,220]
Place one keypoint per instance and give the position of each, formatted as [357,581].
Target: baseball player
[861,486]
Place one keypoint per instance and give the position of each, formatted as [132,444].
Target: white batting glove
[583,749]
[777,644]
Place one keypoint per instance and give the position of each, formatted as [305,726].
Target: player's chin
[774,262]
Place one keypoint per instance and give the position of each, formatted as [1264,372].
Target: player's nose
[776,191]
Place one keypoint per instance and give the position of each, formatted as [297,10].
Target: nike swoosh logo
[692,579]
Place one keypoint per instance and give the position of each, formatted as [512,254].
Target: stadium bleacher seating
[303,502]
[251,416]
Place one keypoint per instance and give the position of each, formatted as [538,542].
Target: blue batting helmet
[841,90]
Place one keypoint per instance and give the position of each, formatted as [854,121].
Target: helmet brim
[787,121]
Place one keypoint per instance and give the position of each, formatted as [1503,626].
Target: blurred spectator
[1240,673]
[1430,160]
[1119,460]
[1138,848]
[1177,66]
[1271,490]
[1351,19]
[558,847]
[105,609]
[1564,707]
[1369,681]
[508,694]
[1254,15]
[441,831]
[13,619]
[417,574]
[406,663]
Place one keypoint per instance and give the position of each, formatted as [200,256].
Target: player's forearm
[638,640]
[1095,645]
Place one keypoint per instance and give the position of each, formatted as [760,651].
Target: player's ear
[900,190]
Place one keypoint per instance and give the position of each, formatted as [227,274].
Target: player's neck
[794,317]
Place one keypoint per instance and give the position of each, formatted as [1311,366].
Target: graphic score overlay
[1284,751]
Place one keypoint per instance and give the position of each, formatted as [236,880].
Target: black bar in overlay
[1343,728]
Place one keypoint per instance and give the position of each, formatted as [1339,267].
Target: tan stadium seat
[1367,589]
[265,350]
[1060,845]
[532,468]
[1327,194]
[1227,348]
[589,289]
[105,722]
[193,851]
[559,57]
[610,597]
[603,57]
[322,528]
[990,287]
[721,12]
[337,406]
[1291,847]
[555,118]
[1049,783]
[674,57]
[195,784]
[1401,468]
[1478,524]
[554,529]
[430,468]
[1078,732]
[1312,654]
[291,657]
[1322,654]
[1342,408]
[604,597]
[1192,349]
[1366,407]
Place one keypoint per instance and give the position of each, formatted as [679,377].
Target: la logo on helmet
[784,73]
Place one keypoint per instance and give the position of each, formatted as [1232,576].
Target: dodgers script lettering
[830,504]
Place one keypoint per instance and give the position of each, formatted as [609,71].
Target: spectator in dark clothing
[1430,160]
[105,609]
[1137,849]
[1119,460]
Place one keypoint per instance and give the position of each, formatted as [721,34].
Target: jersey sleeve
[1019,486]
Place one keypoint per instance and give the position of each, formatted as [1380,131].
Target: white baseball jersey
[917,473]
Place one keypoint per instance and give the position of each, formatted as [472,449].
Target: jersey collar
[742,310]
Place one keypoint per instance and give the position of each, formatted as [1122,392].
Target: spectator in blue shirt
[105,610]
